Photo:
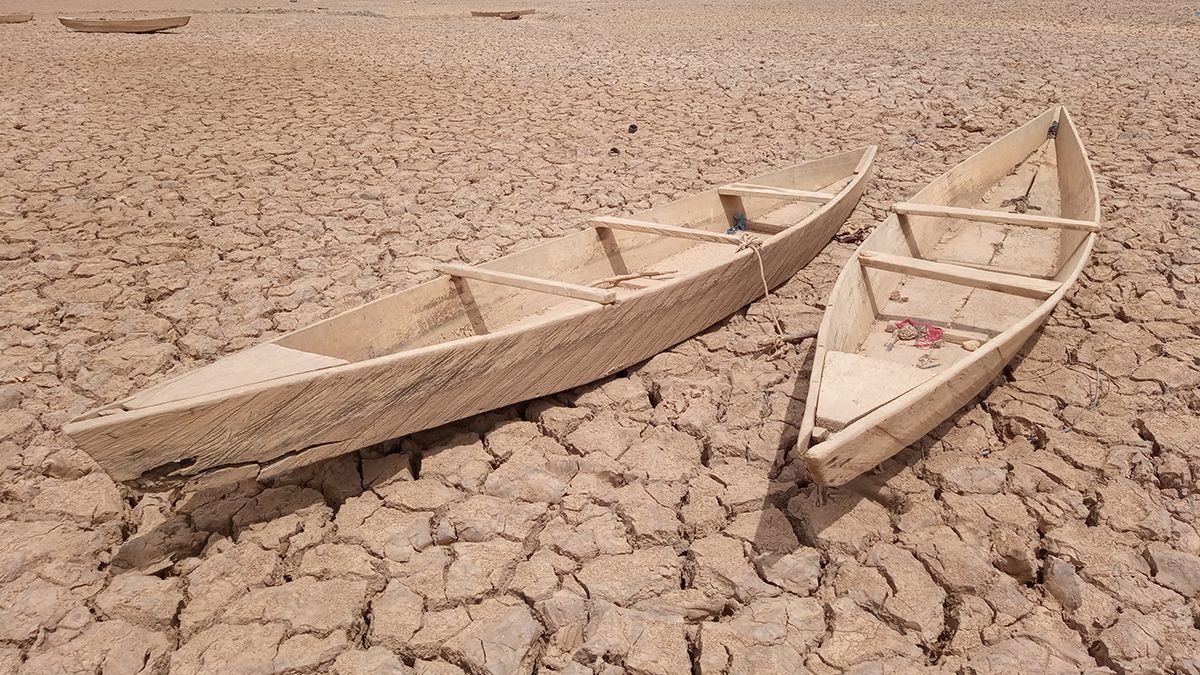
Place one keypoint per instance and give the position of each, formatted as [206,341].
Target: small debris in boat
[971,345]
[1019,204]
[507,14]
[924,335]
[927,361]
[896,297]
[633,128]
[654,275]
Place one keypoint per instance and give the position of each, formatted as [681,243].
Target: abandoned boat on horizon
[123,25]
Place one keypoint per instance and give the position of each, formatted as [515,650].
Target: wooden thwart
[550,286]
[631,225]
[984,216]
[966,276]
[767,192]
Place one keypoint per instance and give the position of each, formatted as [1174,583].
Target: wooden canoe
[504,14]
[958,256]
[15,18]
[477,338]
[124,25]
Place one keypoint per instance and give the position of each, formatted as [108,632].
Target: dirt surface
[168,199]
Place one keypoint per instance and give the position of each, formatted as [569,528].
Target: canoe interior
[1024,171]
[446,309]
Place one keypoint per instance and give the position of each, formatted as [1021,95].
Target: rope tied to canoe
[749,241]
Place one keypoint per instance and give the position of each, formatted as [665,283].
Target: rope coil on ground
[749,241]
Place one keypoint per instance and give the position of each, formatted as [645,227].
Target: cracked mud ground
[169,199]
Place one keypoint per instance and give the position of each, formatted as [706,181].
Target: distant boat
[506,14]
[15,18]
[124,25]
[973,264]
[560,314]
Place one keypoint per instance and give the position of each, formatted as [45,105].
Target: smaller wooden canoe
[15,18]
[124,25]
[945,292]
[505,14]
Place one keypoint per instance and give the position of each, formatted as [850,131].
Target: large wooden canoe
[984,253]
[124,25]
[478,338]
[15,18]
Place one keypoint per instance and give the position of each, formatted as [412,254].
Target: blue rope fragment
[739,226]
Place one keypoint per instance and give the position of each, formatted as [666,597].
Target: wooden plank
[568,290]
[983,216]
[768,192]
[631,225]
[1013,284]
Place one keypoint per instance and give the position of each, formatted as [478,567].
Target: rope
[749,241]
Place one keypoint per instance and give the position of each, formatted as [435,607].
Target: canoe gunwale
[978,369]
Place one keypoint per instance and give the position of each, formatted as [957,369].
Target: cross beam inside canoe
[631,225]
[957,274]
[768,192]
[980,215]
[563,288]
